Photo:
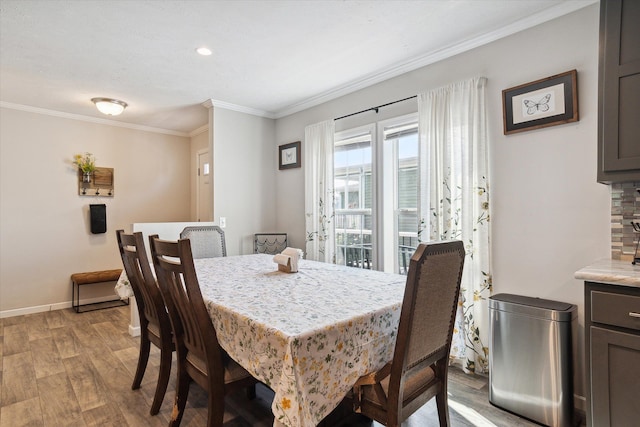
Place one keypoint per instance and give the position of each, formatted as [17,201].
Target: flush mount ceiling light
[204,51]
[109,106]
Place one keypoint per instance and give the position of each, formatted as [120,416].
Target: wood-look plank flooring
[62,368]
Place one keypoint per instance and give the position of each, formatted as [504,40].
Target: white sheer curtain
[318,183]
[454,202]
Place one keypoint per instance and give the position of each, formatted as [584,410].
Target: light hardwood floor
[61,368]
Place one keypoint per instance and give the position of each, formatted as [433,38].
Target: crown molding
[557,11]
[561,9]
[89,119]
[201,129]
[210,103]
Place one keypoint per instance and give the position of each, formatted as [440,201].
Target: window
[400,175]
[377,228]
[353,192]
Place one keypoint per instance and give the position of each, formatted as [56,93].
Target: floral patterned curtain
[318,182]
[454,202]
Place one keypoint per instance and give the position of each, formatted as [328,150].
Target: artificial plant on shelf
[86,163]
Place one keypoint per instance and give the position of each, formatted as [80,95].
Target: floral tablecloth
[308,335]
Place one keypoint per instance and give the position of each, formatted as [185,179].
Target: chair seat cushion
[154,329]
[414,384]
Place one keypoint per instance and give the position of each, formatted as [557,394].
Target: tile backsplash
[625,207]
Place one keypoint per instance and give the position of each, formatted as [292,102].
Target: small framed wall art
[546,102]
[290,156]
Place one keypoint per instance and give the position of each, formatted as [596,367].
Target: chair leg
[143,358]
[182,392]
[216,410]
[163,379]
[442,369]
[443,407]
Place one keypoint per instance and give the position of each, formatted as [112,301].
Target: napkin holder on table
[284,263]
[288,260]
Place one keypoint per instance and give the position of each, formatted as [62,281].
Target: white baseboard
[134,331]
[51,307]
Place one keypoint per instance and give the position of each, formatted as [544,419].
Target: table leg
[134,322]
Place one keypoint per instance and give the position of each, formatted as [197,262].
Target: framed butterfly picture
[289,156]
[546,102]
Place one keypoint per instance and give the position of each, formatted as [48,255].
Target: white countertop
[611,271]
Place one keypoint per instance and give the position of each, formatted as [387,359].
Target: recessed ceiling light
[203,51]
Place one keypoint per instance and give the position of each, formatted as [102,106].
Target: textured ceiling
[271,58]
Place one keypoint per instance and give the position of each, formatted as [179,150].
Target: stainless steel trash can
[531,357]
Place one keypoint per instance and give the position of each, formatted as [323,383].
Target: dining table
[307,335]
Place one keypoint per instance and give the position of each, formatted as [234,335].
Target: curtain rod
[376,108]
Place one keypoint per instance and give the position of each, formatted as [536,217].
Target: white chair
[206,241]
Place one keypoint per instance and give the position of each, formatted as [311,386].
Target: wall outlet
[223,222]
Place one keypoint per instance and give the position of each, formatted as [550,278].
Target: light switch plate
[223,222]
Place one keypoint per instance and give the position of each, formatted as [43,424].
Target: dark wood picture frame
[289,156]
[546,102]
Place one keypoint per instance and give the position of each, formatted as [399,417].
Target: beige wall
[549,215]
[44,225]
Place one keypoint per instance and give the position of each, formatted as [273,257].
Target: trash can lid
[533,302]
[533,307]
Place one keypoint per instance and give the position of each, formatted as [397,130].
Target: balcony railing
[353,241]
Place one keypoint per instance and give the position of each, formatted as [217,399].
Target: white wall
[549,216]
[44,222]
[244,167]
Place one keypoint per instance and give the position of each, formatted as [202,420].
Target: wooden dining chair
[200,357]
[155,326]
[418,370]
[206,241]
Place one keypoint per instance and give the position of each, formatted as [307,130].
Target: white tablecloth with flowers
[308,335]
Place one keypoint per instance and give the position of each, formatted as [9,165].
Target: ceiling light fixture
[204,51]
[109,106]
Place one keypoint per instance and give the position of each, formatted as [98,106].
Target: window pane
[402,141]
[353,201]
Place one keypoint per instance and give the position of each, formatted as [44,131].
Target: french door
[376,194]
[354,197]
[400,177]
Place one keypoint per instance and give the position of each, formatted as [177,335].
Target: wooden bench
[91,278]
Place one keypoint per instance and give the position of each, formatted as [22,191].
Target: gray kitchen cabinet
[619,92]
[612,336]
